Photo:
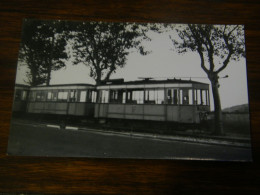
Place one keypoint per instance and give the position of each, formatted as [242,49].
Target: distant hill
[239,108]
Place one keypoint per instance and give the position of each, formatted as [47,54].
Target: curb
[173,138]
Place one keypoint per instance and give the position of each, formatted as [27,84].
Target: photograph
[125,90]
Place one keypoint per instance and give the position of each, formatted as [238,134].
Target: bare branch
[199,48]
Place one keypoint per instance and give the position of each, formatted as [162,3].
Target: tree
[43,49]
[104,46]
[216,45]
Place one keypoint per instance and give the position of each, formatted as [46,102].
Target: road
[39,140]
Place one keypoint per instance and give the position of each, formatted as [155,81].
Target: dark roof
[60,85]
[21,85]
[149,81]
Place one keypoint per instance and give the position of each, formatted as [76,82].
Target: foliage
[104,47]
[216,45]
[42,49]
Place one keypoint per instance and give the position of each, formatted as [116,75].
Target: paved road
[33,140]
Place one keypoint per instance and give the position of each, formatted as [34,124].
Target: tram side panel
[19,106]
[81,109]
[20,99]
[202,113]
[134,111]
[115,110]
[169,113]
[172,113]
[154,112]
[187,114]
[100,110]
[61,100]
[47,107]
[62,108]
[130,111]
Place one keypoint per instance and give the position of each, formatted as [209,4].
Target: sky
[162,63]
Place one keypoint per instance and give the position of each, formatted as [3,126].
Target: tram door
[172,108]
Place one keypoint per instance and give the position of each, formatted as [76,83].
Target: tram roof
[63,86]
[148,83]
[21,86]
[163,81]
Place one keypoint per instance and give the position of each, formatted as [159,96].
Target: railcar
[171,100]
[69,100]
[20,98]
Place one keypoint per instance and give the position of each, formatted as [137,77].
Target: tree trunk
[34,81]
[218,126]
[50,63]
[98,78]
[48,77]
[49,72]
[98,82]
[109,73]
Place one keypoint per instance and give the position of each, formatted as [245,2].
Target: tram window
[73,96]
[199,97]
[195,96]
[204,97]
[159,96]
[181,96]
[93,96]
[44,95]
[133,100]
[83,95]
[40,96]
[99,96]
[49,96]
[32,96]
[129,97]
[116,96]
[54,95]
[185,97]
[18,95]
[89,95]
[62,95]
[169,96]
[113,96]
[138,97]
[172,96]
[124,97]
[149,97]
[24,95]
[190,94]
[175,97]
[155,96]
[104,96]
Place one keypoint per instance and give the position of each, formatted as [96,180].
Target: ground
[40,140]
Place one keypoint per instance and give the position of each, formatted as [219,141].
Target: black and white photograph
[131,90]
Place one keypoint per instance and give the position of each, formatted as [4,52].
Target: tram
[20,98]
[71,99]
[171,100]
